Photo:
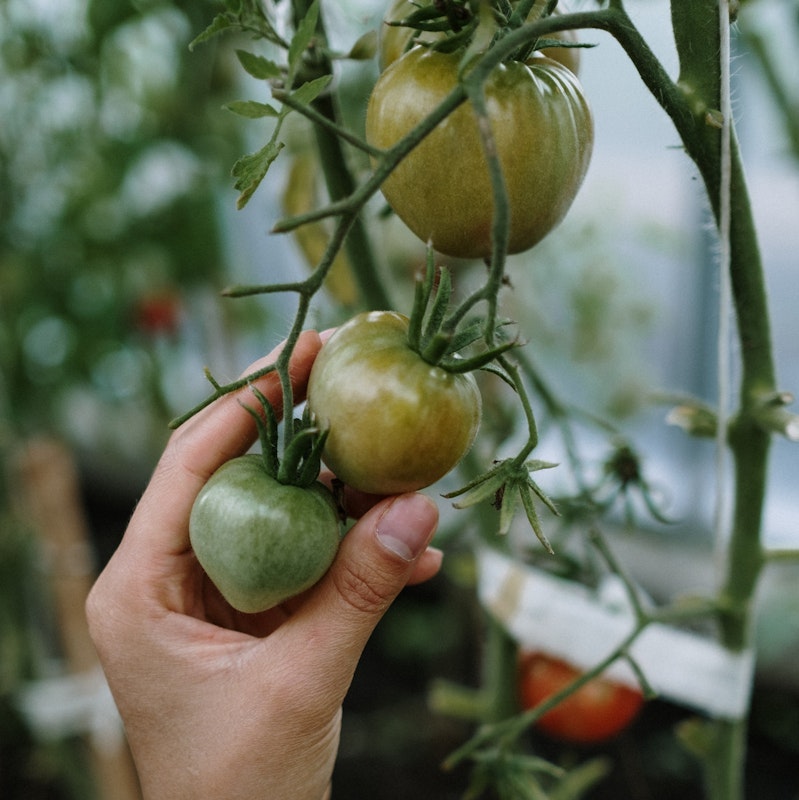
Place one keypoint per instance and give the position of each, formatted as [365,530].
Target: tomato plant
[482,157]
[395,423]
[596,711]
[261,541]
[543,133]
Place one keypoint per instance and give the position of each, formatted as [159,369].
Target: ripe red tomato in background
[158,313]
[596,712]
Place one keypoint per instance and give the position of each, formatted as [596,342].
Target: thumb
[376,559]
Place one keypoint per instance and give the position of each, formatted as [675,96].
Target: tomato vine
[692,102]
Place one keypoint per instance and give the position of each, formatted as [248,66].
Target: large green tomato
[543,132]
[261,541]
[395,423]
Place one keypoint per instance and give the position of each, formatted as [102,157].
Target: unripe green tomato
[395,423]
[543,133]
[260,541]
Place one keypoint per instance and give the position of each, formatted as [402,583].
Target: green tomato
[395,423]
[543,133]
[261,541]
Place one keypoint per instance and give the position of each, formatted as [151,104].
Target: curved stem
[691,104]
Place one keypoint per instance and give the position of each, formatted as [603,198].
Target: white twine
[723,349]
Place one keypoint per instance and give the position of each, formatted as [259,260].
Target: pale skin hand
[219,704]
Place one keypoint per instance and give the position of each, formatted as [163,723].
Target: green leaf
[309,91]
[258,66]
[251,109]
[250,170]
[302,37]
[221,22]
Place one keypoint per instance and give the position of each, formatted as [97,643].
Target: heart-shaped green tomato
[261,541]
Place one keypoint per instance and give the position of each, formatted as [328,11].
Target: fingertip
[427,566]
[407,525]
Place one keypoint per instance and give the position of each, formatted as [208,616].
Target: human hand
[219,704]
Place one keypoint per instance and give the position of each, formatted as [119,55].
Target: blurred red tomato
[597,711]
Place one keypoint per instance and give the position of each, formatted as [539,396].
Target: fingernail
[407,525]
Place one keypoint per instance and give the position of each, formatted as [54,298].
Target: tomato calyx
[451,25]
[300,462]
[440,335]
[507,484]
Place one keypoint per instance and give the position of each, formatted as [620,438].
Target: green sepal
[532,516]
[297,455]
[267,432]
[478,361]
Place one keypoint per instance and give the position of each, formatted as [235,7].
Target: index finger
[219,432]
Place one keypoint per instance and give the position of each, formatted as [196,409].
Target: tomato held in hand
[543,133]
[395,423]
[261,541]
[597,711]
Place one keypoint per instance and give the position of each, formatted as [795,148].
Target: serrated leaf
[221,22]
[258,66]
[250,170]
[251,109]
[309,91]
[302,36]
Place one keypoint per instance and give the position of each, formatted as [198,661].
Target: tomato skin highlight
[395,423]
[596,712]
[260,541]
[543,133]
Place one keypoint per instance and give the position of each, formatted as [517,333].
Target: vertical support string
[725,290]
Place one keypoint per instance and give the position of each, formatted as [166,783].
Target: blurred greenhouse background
[118,230]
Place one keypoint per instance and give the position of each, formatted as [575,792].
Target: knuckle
[370,594]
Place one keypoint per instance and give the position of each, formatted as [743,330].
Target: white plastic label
[569,621]
[75,703]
